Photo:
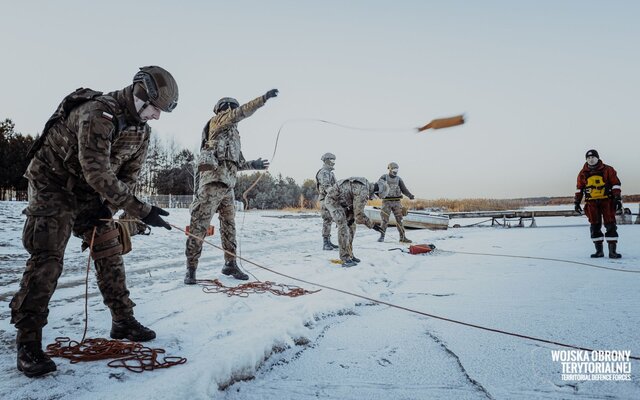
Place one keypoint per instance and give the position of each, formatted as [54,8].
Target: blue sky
[540,82]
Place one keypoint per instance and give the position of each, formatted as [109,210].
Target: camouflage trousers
[211,198]
[394,207]
[347,216]
[326,220]
[53,214]
[343,217]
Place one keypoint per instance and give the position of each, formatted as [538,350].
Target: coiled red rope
[130,355]
[244,289]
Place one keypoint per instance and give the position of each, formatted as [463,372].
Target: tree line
[168,169]
[13,163]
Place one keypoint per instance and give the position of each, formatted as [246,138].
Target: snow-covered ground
[332,345]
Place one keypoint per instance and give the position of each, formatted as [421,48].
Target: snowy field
[330,345]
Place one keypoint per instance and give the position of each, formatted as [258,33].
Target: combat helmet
[156,86]
[327,156]
[224,103]
[393,165]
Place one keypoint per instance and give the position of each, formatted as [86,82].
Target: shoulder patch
[107,116]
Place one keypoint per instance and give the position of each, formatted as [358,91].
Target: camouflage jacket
[396,187]
[98,149]
[352,194]
[324,179]
[224,139]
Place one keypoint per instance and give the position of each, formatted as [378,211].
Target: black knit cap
[592,153]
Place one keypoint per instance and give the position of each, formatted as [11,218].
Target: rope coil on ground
[130,355]
[244,289]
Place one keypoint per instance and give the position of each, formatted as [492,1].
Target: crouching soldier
[83,169]
[346,201]
[391,203]
[325,179]
[217,177]
[598,183]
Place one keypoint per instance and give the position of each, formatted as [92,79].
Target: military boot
[190,277]
[32,361]
[381,238]
[349,263]
[355,259]
[599,253]
[132,330]
[612,250]
[326,243]
[403,239]
[231,268]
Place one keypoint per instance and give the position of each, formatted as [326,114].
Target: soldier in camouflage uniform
[324,179]
[217,178]
[391,203]
[346,201]
[84,168]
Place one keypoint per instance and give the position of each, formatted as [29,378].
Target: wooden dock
[504,217]
[513,214]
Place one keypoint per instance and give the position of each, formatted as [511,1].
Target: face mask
[591,160]
[330,162]
[393,171]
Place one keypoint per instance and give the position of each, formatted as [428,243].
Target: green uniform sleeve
[228,118]
[244,164]
[94,149]
[404,189]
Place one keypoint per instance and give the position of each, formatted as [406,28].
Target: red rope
[130,355]
[244,289]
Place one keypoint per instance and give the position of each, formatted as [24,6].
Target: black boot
[612,250]
[326,243]
[32,361]
[403,239]
[381,238]
[190,277]
[131,329]
[599,252]
[349,263]
[231,268]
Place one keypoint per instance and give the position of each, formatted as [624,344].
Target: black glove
[103,213]
[271,93]
[377,228]
[578,208]
[618,204]
[411,197]
[260,164]
[154,218]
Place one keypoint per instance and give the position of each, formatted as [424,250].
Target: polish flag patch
[107,115]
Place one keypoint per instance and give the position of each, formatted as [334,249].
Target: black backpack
[81,95]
